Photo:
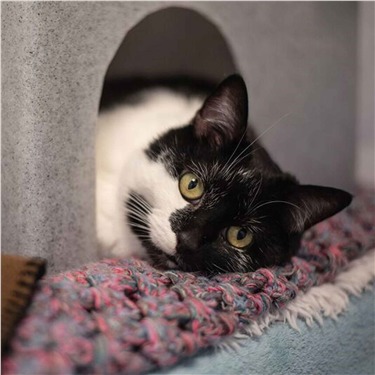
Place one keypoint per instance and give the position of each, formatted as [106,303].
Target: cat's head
[214,200]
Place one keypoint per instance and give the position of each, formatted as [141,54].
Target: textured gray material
[295,57]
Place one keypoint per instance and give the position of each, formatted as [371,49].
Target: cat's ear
[309,204]
[223,116]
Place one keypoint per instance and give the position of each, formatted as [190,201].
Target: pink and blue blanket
[124,316]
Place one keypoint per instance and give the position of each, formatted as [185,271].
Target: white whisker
[139,226]
[238,160]
[135,213]
[261,135]
[257,192]
[141,202]
[238,145]
[219,268]
[276,201]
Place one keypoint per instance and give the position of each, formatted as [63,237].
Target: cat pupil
[193,184]
[241,234]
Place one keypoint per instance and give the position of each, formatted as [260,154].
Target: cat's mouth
[190,264]
[172,261]
[183,262]
[165,261]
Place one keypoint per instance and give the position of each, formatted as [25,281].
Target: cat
[183,181]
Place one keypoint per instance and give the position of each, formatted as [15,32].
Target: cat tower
[298,60]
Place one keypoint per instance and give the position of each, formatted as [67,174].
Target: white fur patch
[151,180]
[121,165]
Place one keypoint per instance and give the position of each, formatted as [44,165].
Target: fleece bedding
[124,316]
[344,345]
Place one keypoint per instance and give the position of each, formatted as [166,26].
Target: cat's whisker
[239,158]
[136,210]
[270,127]
[140,210]
[275,201]
[139,227]
[235,160]
[260,249]
[137,201]
[261,135]
[230,264]
[245,156]
[141,202]
[143,236]
[136,206]
[233,153]
[137,215]
[140,199]
[195,168]
[138,220]
[139,224]
[249,259]
[219,267]
[257,192]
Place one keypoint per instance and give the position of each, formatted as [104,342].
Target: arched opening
[170,43]
[177,47]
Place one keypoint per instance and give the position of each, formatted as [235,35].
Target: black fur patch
[230,196]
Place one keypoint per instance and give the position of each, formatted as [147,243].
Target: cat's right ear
[223,116]
[310,204]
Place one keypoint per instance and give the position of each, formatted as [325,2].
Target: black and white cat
[184,181]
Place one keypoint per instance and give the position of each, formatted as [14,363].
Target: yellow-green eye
[239,237]
[191,187]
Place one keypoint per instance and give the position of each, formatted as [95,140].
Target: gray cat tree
[297,59]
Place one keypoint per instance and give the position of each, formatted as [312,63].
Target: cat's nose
[188,240]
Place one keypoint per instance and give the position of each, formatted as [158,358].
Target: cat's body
[185,182]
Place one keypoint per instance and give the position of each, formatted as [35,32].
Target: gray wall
[297,58]
[365,139]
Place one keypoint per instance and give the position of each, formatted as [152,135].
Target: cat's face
[215,201]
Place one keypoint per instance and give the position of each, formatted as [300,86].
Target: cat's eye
[191,187]
[239,237]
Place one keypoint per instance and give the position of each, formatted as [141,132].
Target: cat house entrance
[175,46]
[174,42]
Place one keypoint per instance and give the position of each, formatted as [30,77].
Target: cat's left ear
[223,116]
[309,204]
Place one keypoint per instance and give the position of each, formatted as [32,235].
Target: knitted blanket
[124,316]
